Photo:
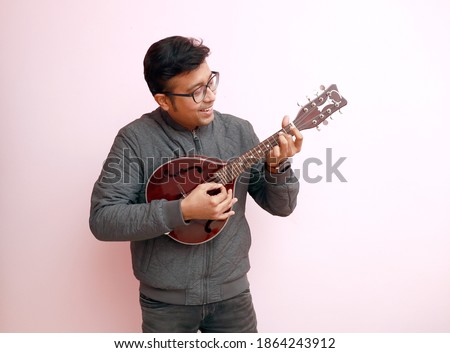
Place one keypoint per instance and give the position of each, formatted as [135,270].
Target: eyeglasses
[200,93]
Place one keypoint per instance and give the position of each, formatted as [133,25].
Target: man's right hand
[208,201]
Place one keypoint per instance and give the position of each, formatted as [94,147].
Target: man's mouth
[206,110]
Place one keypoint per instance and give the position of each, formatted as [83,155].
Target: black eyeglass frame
[214,74]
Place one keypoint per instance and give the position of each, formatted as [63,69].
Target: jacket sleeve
[275,193]
[118,209]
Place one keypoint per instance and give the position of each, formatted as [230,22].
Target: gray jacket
[169,271]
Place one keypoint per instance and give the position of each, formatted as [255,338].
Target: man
[189,288]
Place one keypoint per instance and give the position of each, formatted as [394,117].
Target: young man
[189,288]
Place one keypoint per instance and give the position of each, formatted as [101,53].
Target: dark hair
[170,57]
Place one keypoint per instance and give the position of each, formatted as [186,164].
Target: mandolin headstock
[318,110]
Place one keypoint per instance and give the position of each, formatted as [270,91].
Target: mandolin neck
[311,115]
[237,166]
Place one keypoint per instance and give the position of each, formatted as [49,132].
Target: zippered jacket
[169,271]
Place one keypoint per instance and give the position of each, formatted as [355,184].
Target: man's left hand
[288,146]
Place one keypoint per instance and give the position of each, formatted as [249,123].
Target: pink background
[369,255]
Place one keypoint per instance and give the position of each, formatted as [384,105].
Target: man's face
[184,110]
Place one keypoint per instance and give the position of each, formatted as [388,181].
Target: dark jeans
[232,315]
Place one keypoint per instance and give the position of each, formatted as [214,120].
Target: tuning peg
[322,87]
[325,122]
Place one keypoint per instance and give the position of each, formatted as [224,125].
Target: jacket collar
[172,123]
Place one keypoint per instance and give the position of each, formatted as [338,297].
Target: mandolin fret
[237,166]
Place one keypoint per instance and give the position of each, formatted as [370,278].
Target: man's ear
[162,100]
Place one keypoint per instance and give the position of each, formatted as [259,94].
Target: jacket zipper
[207,247]
[207,263]
[196,142]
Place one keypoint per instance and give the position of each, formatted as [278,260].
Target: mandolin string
[234,168]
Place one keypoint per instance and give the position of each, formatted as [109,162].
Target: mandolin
[177,178]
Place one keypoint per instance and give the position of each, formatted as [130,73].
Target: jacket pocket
[146,255]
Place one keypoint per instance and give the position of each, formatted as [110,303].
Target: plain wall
[367,255]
